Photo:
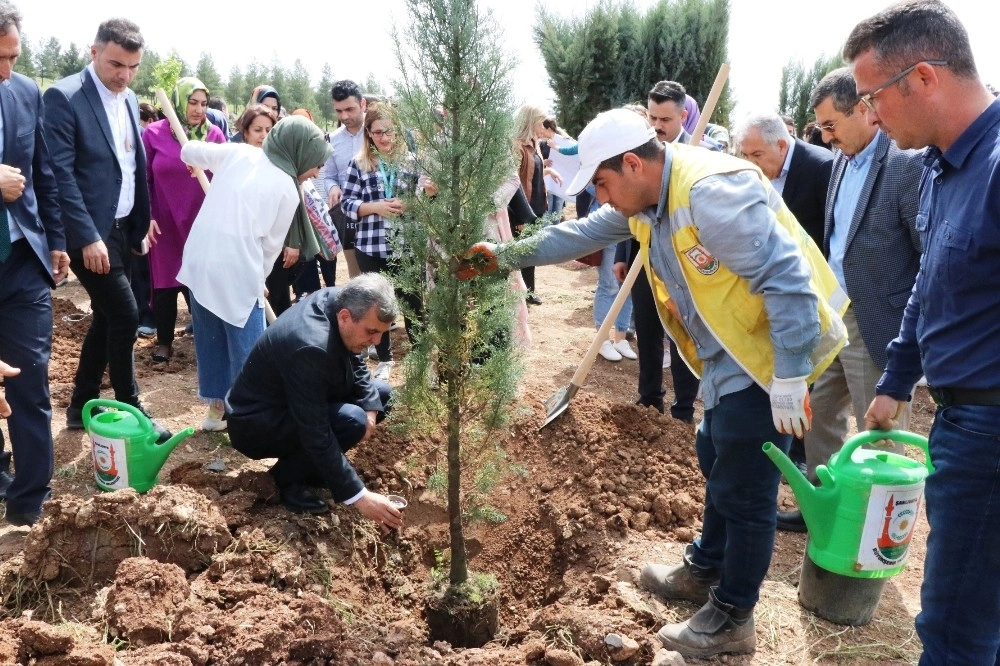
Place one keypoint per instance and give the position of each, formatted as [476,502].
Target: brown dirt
[208,568]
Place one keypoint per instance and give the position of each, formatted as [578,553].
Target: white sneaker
[666,358]
[625,349]
[215,421]
[922,381]
[383,369]
[372,352]
[609,352]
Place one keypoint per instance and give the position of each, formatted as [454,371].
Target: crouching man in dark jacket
[306,397]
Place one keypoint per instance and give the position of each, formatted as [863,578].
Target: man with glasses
[872,245]
[915,71]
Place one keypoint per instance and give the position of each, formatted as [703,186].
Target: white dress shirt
[240,229]
[126,141]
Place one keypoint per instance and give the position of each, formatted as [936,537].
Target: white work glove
[790,405]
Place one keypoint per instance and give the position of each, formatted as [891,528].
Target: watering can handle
[871,436]
[110,404]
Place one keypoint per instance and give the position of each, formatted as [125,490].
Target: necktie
[4,233]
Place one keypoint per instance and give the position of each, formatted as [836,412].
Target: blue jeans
[221,348]
[959,622]
[607,289]
[741,493]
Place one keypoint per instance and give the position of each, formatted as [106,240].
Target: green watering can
[124,446]
[861,516]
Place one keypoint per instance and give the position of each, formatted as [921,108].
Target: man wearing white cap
[754,310]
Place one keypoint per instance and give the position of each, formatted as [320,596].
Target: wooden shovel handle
[602,333]
[710,102]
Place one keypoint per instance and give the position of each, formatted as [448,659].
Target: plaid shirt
[374,231]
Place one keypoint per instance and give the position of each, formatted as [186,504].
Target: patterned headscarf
[179,98]
[691,122]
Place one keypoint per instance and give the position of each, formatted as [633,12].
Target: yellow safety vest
[735,316]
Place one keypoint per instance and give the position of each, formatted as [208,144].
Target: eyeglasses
[869,99]
[378,134]
[829,127]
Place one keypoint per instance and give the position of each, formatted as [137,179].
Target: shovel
[558,403]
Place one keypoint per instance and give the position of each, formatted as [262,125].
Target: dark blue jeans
[741,493]
[959,622]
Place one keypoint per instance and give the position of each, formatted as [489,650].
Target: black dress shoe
[791,521]
[6,478]
[300,499]
[74,416]
[533,300]
[21,519]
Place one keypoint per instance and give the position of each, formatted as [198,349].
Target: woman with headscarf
[237,236]
[267,96]
[174,200]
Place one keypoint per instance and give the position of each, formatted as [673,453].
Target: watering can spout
[812,502]
[161,451]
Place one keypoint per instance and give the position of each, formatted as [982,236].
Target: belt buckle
[941,396]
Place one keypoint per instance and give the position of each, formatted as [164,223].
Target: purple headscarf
[694,114]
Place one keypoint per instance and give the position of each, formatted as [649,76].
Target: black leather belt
[946,397]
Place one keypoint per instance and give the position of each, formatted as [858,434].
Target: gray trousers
[849,383]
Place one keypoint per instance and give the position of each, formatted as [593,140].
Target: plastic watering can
[124,446]
[861,516]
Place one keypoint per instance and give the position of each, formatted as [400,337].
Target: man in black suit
[32,260]
[873,246]
[799,171]
[92,129]
[305,396]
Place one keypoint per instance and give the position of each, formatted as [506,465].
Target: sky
[763,36]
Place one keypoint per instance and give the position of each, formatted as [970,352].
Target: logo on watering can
[892,514]
[110,464]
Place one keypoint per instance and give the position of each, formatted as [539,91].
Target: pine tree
[455,96]
[797,84]
[323,100]
[614,55]
[26,61]
[206,72]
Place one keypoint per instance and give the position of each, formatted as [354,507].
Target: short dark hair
[840,86]
[148,112]
[668,91]
[343,89]
[646,152]
[216,102]
[122,32]
[9,16]
[911,32]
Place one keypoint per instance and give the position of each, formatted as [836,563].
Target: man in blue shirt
[915,72]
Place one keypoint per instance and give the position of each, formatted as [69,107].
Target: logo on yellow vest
[704,262]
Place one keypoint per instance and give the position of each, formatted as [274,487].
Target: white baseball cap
[611,133]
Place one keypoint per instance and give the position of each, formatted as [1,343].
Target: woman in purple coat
[174,198]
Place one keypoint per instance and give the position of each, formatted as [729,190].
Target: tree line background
[610,56]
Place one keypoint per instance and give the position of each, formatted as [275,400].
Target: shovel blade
[558,403]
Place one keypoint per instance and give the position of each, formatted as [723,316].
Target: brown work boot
[716,628]
[686,580]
